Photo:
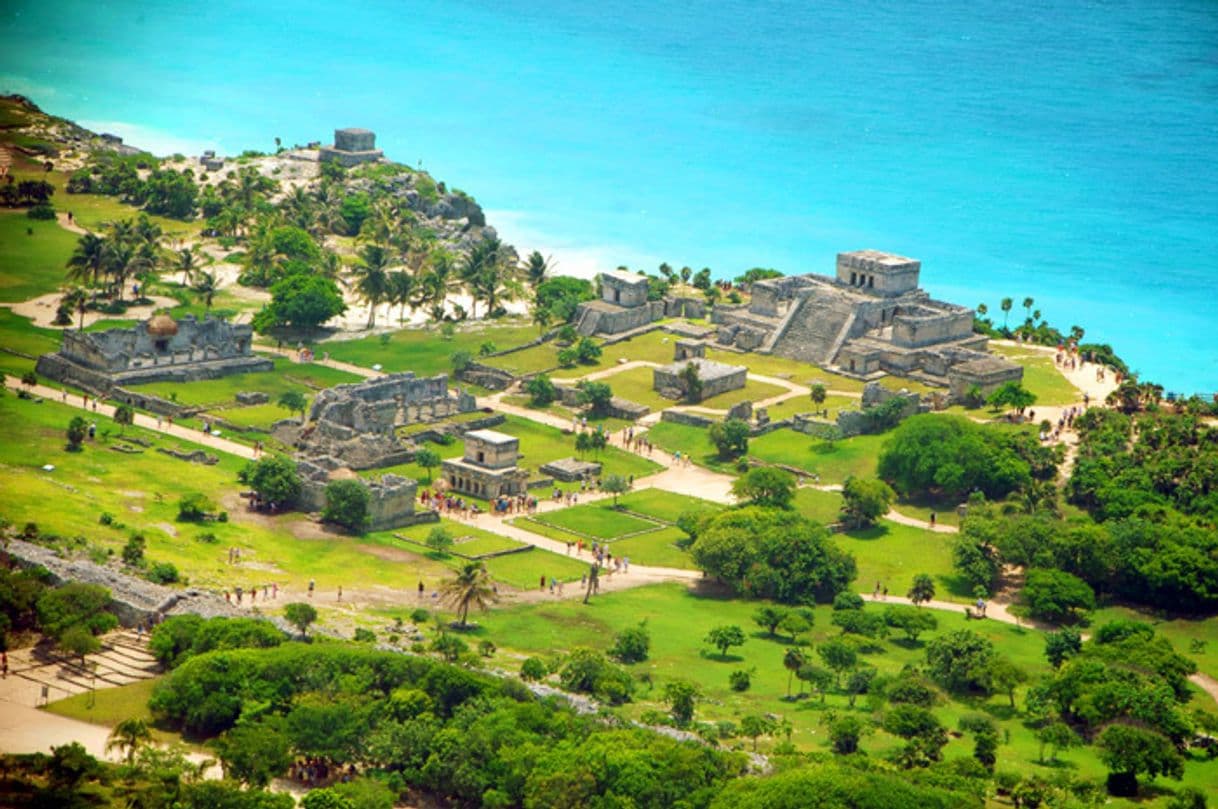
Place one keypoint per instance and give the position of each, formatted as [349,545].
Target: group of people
[269,592]
[1064,422]
[447,504]
[636,443]
[314,772]
[519,504]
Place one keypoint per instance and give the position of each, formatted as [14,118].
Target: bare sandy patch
[42,311]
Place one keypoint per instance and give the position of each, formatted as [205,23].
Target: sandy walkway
[42,311]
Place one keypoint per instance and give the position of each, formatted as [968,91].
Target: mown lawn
[424,350]
[519,570]
[594,521]
[833,461]
[33,256]
[691,442]
[112,705]
[892,554]
[94,211]
[307,378]
[21,342]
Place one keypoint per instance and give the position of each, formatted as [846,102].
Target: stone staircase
[814,328]
[123,659]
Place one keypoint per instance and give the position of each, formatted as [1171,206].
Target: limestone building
[869,319]
[351,147]
[623,305]
[489,468]
[716,377]
[159,349]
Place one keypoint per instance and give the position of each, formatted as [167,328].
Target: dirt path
[42,311]
[147,422]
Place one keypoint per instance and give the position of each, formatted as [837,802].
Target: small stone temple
[351,147]
[986,372]
[869,319]
[623,305]
[159,349]
[489,468]
[717,377]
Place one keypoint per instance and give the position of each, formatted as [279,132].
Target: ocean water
[1058,149]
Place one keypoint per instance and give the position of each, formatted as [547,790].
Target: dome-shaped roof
[162,325]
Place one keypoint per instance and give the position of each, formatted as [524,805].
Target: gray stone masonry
[392,497]
[984,371]
[741,410]
[624,288]
[688,349]
[869,319]
[159,349]
[351,147]
[571,469]
[492,449]
[716,377]
[252,397]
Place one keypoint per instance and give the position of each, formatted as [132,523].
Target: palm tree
[401,291]
[536,267]
[188,262]
[1027,307]
[436,281]
[123,261]
[1007,303]
[205,287]
[371,278]
[471,587]
[489,274]
[793,661]
[88,260]
[128,737]
[76,298]
[982,309]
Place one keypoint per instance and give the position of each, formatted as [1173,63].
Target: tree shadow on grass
[907,643]
[707,654]
[877,531]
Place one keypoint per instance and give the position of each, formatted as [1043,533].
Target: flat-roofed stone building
[716,377]
[489,467]
[623,305]
[351,147]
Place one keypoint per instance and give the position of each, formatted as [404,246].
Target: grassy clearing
[692,442]
[637,385]
[892,554]
[823,507]
[665,506]
[520,570]
[94,211]
[834,461]
[596,521]
[21,342]
[112,705]
[424,350]
[654,346]
[306,378]
[33,255]
[679,619]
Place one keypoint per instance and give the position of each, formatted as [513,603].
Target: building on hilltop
[351,147]
[489,468]
[159,349]
[869,319]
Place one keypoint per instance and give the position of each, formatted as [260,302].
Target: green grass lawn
[94,211]
[424,350]
[22,342]
[690,441]
[823,507]
[834,461]
[893,554]
[519,570]
[664,506]
[654,346]
[1040,375]
[637,385]
[596,521]
[306,378]
[31,264]
[109,706]
[802,404]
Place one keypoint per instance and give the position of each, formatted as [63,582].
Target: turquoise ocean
[1059,149]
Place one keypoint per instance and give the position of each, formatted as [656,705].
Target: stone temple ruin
[489,468]
[624,306]
[354,427]
[351,147]
[716,378]
[159,349]
[868,320]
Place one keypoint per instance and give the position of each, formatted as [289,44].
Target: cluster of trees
[72,615]
[428,725]
[160,191]
[940,456]
[773,553]
[128,249]
[34,194]
[1148,538]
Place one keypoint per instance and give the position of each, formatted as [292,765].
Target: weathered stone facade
[351,147]
[571,469]
[987,373]
[488,469]
[159,349]
[716,378]
[392,497]
[869,319]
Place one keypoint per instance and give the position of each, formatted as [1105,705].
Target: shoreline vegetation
[975,607]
